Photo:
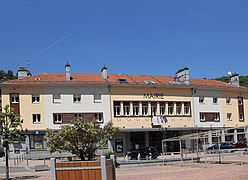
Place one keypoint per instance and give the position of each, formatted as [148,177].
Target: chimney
[234,79]
[67,72]
[22,72]
[104,72]
[182,75]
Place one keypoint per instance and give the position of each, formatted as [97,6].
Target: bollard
[27,162]
[14,161]
[138,157]
[126,158]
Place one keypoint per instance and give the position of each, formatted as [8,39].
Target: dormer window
[122,81]
[149,82]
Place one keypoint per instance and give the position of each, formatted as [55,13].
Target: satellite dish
[229,73]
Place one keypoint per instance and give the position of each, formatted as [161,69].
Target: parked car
[2,154]
[145,153]
[223,145]
[241,144]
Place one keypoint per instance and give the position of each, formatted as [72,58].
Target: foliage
[108,154]
[243,80]
[10,125]
[5,76]
[81,138]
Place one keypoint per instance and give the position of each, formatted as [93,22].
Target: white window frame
[186,108]
[228,100]
[14,98]
[144,109]
[153,108]
[241,116]
[77,98]
[56,98]
[202,116]
[135,108]
[36,118]
[216,116]
[99,117]
[178,108]
[97,98]
[35,99]
[170,108]
[58,119]
[215,100]
[117,109]
[126,108]
[240,101]
[162,108]
[201,99]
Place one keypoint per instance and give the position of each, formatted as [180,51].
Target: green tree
[243,80]
[82,138]
[10,126]
[5,76]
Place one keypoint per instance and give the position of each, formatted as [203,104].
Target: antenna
[28,64]
[229,71]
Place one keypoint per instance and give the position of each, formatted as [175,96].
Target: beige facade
[152,96]
[26,106]
[231,108]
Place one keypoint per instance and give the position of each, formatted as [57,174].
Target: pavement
[233,166]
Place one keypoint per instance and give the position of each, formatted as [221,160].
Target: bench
[41,168]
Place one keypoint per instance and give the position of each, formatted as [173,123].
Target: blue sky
[150,37]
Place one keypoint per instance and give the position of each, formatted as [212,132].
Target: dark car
[223,145]
[145,153]
[241,144]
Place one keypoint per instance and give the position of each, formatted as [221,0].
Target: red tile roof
[112,79]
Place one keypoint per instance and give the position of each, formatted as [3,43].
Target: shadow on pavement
[22,177]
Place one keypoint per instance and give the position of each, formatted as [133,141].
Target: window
[126,108]
[99,117]
[57,98]
[240,100]
[201,100]
[76,98]
[35,99]
[229,116]
[228,100]
[122,81]
[14,98]
[135,109]
[216,116]
[149,82]
[144,108]
[57,118]
[178,108]
[97,98]
[36,118]
[78,116]
[202,117]
[117,108]
[241,116]
[186,108]
[162,108]
[170,108]
[215,100]
[153,109]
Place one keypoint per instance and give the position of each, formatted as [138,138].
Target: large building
[147,109]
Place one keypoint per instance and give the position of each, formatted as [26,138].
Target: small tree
[10,125]
[81,138]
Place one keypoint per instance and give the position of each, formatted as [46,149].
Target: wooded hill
[243,80]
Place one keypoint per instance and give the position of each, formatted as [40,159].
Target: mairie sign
[154,95]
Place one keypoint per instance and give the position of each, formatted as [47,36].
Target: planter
[86,170]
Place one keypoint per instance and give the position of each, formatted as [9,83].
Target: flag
[163,119]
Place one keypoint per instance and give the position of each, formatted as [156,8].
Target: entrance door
[137,140]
